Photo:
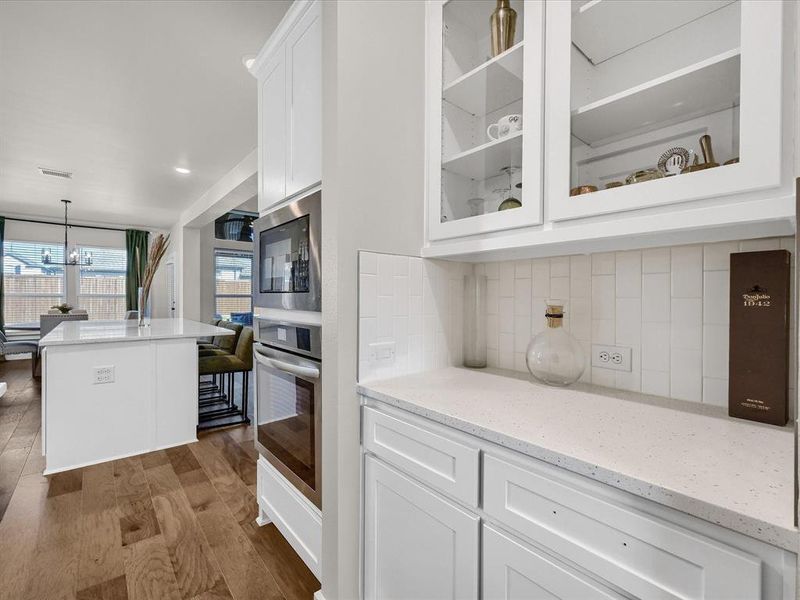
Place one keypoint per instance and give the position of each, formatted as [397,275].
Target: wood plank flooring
[173,524]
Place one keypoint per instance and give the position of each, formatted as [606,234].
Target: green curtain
[133,275]
[2,262]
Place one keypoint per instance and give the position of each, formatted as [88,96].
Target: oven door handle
[297,370]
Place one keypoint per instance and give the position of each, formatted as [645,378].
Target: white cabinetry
[416,543]
[289,72]
[623,83]
[544,532]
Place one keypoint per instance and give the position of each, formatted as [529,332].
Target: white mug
[505,126]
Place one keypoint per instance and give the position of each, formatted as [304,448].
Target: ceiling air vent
[55,173]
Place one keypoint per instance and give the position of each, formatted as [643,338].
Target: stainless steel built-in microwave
[287,256]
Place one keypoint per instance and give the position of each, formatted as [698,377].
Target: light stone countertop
[71,333]
[691,457]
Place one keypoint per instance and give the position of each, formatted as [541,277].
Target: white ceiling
[120,93]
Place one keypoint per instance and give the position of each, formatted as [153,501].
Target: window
[232,291]
[31,287]
[101,286]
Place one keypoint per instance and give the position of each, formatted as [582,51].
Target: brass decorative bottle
[503,24]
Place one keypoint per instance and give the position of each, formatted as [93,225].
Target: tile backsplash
[415,303]
[669,305]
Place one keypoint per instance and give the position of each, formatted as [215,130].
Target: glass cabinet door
[484,115]
[653,101]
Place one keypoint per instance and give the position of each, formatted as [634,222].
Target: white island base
[111,389]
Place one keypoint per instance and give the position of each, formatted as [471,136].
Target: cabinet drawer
[515,571]
[642,554]
[424,451]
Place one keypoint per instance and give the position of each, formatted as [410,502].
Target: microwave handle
[297,370]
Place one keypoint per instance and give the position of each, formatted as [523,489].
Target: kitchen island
[111,389]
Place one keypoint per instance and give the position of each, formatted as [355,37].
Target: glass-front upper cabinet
[484,115]
[650,102]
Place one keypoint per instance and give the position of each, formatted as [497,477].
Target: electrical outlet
[617,358]
[382,352]
[104,375]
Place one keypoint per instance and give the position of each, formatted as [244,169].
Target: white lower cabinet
[417,544]
[515,571]
[440,506]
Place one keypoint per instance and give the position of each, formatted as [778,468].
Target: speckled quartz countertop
[688,456]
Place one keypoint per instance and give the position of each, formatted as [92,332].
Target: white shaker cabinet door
[417,545]
[514,571]
[304,102]
[272,142]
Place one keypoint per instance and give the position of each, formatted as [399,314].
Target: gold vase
[503,24]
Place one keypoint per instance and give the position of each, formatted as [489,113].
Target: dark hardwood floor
[172,524]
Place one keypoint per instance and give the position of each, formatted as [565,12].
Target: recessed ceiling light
[248,60]
[182,170]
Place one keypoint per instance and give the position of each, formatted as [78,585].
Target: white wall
[373,185]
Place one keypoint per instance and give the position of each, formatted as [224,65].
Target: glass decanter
[554,356]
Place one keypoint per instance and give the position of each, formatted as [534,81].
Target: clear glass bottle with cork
[554,356]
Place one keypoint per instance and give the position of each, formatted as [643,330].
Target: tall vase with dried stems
[154,257]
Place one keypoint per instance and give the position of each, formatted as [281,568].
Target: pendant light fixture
[72,257]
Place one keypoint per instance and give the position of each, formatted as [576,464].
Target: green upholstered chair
[223,367]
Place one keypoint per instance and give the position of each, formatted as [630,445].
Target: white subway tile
[580,316]
[655,383]
[538,320]
[717,257]
[715,391]
[522,269]
[505,315]
[716,297]
[493,270]
[401,297]
[415,276]
[603,263]
[628,322]
[519,362]
[367,334]
[415,324]
[505,352]
[655,260]
[715,351]
[385,275]
[628,380]
[687,272]
[655,347]
[655,298]
[559,266]
[603,297]
[506,279]
[522,297]
[580,276]
[368,295]
[400,334]
[428,297]
[686,376]
[629,274]
[603,377]
[586,347]
[491,332]
[491,358]
[385,304]
[759,245]
[415,306]
[559,288]
[401,266]
[540,271]
[368,263]
[686,327]
[522,333]
[603,332]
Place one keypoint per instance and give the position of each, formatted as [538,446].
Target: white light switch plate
[104,374]
[616,358]
[382,352]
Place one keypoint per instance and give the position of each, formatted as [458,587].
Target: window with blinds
[233,270]
[101,286]
[31,287]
